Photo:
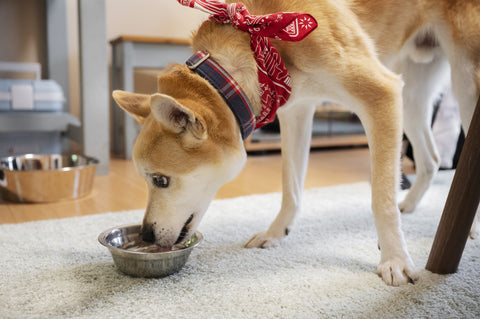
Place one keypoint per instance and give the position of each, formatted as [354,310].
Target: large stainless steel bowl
[145,263]
[46,178]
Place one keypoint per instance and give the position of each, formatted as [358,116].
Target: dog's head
[189,146]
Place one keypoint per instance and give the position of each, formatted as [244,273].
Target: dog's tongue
[273,76]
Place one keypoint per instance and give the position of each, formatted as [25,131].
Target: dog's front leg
[296,134]
[381,118]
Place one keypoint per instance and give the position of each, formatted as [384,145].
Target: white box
[29,95]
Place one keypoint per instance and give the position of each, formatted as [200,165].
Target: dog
[191,143]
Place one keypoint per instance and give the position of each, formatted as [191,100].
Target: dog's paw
[396,272]
[263,240]
[474,230]
[406,206]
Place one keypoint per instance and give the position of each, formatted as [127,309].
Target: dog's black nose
[147,234]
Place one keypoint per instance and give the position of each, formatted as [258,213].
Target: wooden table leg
[461,206]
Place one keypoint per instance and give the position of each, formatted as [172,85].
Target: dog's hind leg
[466,87]
[459,37]
[423,84]
[296,134]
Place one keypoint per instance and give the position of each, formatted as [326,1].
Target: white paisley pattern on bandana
[274,79]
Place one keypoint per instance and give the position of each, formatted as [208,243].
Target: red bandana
[272,74]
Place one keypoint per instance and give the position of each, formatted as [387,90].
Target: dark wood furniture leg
[461,206]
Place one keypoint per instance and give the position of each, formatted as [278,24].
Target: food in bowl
[144,247]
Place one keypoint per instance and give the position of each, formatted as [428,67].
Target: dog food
[141,246]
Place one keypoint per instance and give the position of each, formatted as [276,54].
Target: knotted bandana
[274,79]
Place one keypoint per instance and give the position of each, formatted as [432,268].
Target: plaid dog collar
[202,64]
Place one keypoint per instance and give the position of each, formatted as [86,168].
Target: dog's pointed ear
[178,119]
[137,105]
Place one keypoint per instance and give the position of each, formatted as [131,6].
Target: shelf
[338,129]
[273,143]
[36,122]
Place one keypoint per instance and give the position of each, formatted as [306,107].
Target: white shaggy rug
[325,268]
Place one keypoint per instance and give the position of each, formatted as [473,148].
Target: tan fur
[353,58]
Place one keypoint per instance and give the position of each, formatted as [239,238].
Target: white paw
[474,230]
[406,206]
[263,240]
[396,272]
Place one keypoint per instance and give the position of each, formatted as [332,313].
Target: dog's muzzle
[148,231]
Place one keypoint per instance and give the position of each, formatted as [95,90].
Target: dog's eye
[161,181]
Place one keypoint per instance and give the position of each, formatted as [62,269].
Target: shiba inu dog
[191,141]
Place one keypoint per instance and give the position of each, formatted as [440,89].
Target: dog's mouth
[185,230]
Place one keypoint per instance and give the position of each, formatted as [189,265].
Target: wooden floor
[123,189]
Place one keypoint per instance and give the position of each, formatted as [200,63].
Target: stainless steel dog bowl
[46,178]
[145,264]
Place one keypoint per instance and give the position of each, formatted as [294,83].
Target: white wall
[158,18]
[22,32]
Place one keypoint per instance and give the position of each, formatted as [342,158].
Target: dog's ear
[178,119]
[138,105]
